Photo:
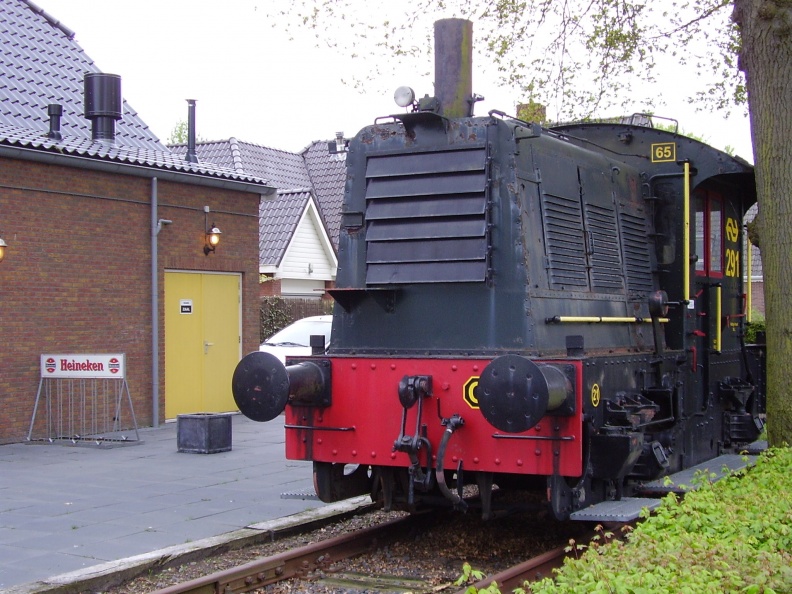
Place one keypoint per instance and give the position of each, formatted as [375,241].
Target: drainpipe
[154,309]
[156,227]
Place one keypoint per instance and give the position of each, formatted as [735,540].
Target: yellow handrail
[749,289]
[600,320]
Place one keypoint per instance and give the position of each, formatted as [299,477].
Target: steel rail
[298,563]
[542,566]
[532,570]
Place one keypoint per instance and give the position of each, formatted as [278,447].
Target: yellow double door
[203,339]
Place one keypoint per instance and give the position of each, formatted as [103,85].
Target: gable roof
[283,169]
[309,255]
[40,64]
[328,178]
[278,220]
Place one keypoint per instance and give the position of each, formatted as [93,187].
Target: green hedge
[733,535]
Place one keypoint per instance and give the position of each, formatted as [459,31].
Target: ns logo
[469,392]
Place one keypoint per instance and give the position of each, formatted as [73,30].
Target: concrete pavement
[65,508]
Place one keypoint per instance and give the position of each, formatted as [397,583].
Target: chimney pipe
[103,103]
[54,111]
[191,156]
[454,67]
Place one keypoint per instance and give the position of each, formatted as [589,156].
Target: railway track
[532,570]
[320,566]
[520,531]
[300,562]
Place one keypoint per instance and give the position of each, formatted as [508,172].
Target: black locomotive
[559,309]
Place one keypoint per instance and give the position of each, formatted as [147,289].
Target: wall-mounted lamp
[3,246]
[212,234]
[212,239]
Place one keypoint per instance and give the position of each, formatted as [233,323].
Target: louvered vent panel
[426,218]
[636,254]
[566,251]
[606,266]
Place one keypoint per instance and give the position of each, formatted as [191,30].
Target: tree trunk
[766,59]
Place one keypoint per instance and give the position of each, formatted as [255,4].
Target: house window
[709,234]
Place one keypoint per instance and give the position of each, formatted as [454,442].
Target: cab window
[709,234]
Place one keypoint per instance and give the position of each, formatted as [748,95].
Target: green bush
[755,331]
[734,535]
[274,315]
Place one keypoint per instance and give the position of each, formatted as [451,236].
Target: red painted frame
[364,420]
[708,199]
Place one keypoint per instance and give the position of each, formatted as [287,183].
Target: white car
[295,340]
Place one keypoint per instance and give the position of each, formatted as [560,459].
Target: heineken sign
[83,366]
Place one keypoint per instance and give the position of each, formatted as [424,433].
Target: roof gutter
[66,160]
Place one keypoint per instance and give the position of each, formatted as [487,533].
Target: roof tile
[85,147]
[41,64]
[328,178]
[37,50]
[283,169]
[312,172]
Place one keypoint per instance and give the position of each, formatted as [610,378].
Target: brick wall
[271,287]
[77,272]
[757,297]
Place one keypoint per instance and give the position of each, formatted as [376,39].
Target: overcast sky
[251,82]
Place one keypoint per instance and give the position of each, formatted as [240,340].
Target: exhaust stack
[454,67]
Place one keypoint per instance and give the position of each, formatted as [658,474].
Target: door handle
[206,347]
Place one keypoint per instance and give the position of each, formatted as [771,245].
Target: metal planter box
[203,433]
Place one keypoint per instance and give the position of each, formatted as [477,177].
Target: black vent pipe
[191,156]
[103,103]
[54,111]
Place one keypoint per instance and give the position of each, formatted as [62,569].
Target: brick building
[106,232]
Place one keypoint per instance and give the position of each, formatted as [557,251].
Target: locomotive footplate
[624,510]
[629,508]
[684,480]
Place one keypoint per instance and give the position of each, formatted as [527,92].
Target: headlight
[404,96]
